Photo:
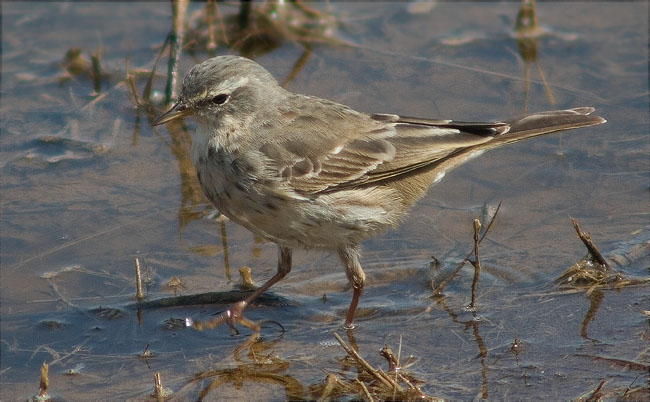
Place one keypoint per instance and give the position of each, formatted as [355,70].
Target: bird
[309,173]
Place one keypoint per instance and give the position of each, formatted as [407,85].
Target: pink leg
[235,314]
[350,257]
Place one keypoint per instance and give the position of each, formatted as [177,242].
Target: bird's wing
[326,147]
[423,142]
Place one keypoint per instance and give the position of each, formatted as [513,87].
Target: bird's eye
[220,99]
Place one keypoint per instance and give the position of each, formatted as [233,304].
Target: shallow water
[88,185]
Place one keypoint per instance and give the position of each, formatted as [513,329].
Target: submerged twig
[298,65]
[595,299]
[624,364]
[148,87]
[226,297]
[74,351]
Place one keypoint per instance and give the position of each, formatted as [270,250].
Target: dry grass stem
[476,263]
[438,289]
[365,391]
[247,278]
[138,281]
[45,380]
[375,373]
[394,385]
[597,394]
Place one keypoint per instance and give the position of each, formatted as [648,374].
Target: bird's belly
[318,222]
[272,210]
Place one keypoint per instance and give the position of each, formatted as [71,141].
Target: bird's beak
[179,110]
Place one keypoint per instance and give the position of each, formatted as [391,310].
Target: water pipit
[307,172]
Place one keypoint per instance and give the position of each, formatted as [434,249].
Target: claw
[234,315]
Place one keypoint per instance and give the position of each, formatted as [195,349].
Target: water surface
[88,185]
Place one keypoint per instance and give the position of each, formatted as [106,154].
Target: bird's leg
[235,314]
[350,257]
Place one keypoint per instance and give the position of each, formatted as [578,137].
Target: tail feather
[541,123]
[520,128]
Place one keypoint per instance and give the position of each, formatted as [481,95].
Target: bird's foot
[234,315]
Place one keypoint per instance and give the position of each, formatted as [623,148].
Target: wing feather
[328,147]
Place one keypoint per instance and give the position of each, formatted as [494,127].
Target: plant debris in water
[592,270]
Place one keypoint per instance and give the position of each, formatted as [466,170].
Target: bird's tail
[532,125]
[520,128]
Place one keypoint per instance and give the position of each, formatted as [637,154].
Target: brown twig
[45,381]
[96,71]
[331,381]
[596,395]
[593,270]
[393,362]
[441,286]
[210,17]
[179,9]
[377,374]
[158,391]
[591,247]
[365,391]
[247,278]
[476,263]
[138,281]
